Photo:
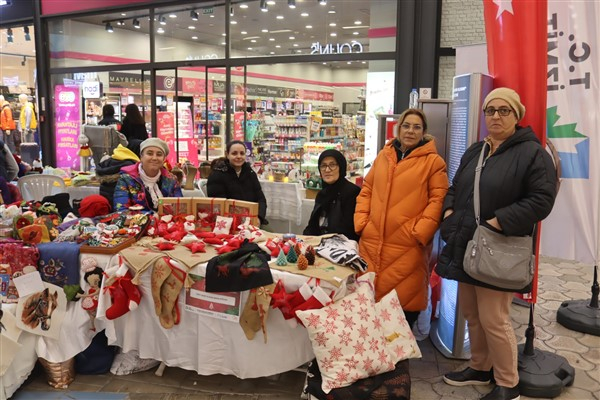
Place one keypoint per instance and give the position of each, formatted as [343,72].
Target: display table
[212,346]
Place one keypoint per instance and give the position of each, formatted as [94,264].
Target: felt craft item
[240,211]
[287,302]
[222,225]
[302,262]
[214,241]
[318,300]
[174,206]
[281,259]
[94,206]
[59,263]
[125,296]
[165,246]
[34,234]
[292,257]
[196,247]
[167,280]
[239,270]
[206,210]
[255,313]
[348,340]
[188,238]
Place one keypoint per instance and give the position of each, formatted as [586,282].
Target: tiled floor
[559,280]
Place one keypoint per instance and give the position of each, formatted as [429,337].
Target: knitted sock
[120,302]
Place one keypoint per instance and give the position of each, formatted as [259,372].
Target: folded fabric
[239,270]
[93,206]
[59,263]
[341,250]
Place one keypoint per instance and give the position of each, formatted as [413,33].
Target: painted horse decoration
[38,309]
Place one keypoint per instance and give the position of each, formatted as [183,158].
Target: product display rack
[285,142]
[214,130]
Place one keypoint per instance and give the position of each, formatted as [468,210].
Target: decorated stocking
[166,283]
[287,302]
[256,310]
[319,299]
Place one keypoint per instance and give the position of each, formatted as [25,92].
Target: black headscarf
[330,191]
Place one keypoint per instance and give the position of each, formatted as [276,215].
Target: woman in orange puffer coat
[398,211]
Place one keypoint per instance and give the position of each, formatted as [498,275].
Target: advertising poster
[188,143]
[238,126]
[67,124]
[165,125]
[219,305]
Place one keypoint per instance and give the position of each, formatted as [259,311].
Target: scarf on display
[341,250]
[151,183]
[59,263]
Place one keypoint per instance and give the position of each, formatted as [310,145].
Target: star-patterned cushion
[348,339]
[401,342]
[222,224]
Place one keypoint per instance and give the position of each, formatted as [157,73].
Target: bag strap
[478,169]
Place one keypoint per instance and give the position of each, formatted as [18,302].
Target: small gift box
[174,206]
[206,210]
[241,211]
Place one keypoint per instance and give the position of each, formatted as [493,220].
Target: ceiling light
[324,63]
[331,12]
[109,28]
[292,3]
[212,15]
[253,41]
[349,62]
[162,20]
[192,27]
[123,14]
[292,37]
[355,33]
[195,37]
[231,11]
[244,32]
[357,22]
[136,23]
[265,30]
[304,14]
[249,48]
[298,51]
[223,34]
[172,15]
[26,32]
[364,62]
[272,52]
[271,2]
[277,46]
[160,30]
[233,22]
[333,24]
[271,39]
[333,34]
[279,17]
[323,2]
[295,45]
[194,15]
[120,22]
[263,6]
[308,26]
[223,43]
[244,5]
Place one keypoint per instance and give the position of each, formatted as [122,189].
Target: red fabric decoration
[175,236]
[93,206]
[202,235]
[225,236]
[213,240]
[196,247]
[165,246]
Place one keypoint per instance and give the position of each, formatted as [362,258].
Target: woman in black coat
[335,203]
[517,190]
[233,178]
[134,126]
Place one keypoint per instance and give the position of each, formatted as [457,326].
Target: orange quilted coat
[397,213]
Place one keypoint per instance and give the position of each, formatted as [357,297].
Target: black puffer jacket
[518,187]
[224,182]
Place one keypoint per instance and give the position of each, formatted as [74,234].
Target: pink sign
[188,142]
[238,125]
[65,6]
[165,124]
[67,122]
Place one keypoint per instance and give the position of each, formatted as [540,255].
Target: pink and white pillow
[348,339]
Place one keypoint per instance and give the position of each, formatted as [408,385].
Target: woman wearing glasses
[398,211]
[335,203]
[517,189]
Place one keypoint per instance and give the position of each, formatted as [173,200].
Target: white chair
[36,187]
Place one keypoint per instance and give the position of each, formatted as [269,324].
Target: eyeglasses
[503,112]
[331,167]
[416,128]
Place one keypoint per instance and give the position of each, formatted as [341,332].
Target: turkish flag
[517,47]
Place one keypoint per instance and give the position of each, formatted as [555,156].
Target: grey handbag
[496,259]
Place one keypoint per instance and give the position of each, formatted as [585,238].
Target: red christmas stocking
[318,300]
[286,302]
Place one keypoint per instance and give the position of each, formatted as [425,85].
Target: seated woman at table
[335,203]
[233,178]
[143,183]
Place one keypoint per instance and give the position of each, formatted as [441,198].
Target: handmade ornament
[298,248]
[310,255]
[318,300]
[222,225]
[196,247]
[256,310]
[281,259]
[165,246]
[125,296]
[168,277]
[292,257]
[287,302]
[302,262]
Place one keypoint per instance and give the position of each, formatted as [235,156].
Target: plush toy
[93,277]
[85,152]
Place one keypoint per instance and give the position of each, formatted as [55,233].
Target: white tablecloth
[283,200]
[212,346]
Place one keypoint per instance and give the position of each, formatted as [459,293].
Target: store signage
[85,76]
[130,81]
[337,48]
[255,90]
[10,80]
[208,11]
[202,57]
[91,90]
[67,125]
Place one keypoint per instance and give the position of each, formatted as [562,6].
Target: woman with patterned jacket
[398,211]
[146,181]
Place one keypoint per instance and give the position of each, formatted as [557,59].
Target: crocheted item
[281,259]
[292,256]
